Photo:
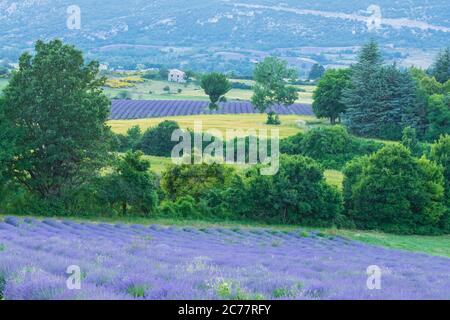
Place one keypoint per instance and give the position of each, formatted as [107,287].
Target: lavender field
[154,262]
[141,109]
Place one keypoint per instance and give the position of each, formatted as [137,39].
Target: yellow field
[287,128]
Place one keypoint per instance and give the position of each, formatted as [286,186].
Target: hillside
[177,32]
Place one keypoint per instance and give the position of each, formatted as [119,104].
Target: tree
[441,67]
[194,180]
[381,100]
[216,86]
[358,95]
[328,94]
[157,141]
[331,146]
[411,141]
[163,73]
[130,185]
[53,122]
[438,116]
[440,153]
[395,192]
[317,72]
[124,95]
[271,87]
[297,194]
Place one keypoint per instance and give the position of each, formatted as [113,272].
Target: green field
[141,91]
[289,124]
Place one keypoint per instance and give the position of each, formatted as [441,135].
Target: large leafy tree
[216,86]
[438,116]
[394,191]
[328,95]
[440,153]
[130,185]
[317,72]
[271,86]
[441,67]
[53,120]
[157,141]
[298,193]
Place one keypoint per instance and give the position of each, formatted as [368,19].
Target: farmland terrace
[140,109]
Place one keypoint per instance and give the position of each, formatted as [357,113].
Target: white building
[176,75]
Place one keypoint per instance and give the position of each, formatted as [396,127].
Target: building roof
[176,71]
[141,109]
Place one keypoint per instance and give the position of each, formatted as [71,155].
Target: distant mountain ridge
[173,28]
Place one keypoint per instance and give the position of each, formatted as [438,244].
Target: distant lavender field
[153,262]
[141,109]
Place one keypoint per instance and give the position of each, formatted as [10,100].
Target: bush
[241,86]
[194,180]
[157,141]
[130,187]
[273,119]
[440,153]
[297,194]
[332,146]
[394,192]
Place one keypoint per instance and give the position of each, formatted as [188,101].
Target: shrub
[183,207]
[331,146]
[194,180]
[394,192]
[440,153]
[157,141]
[411,141]
[298,193]
[273,119]
[130,186]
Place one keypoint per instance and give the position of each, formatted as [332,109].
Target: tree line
[379,101]
[59,157]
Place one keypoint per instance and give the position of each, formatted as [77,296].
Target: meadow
[154,90]
[121,261]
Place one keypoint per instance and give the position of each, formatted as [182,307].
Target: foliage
[194,180]
[317,72]
[54,133]
[331,146]
[271,88]
[410,141]
[441,67]
[130,185]
[297,194]
[440,153]
[395,192]
[381,100]
[273,118]
[157,141]
[124,95]
[216,85]
[328,94]
[438,116]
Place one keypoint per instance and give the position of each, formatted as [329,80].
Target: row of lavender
[140,109]
[153,262]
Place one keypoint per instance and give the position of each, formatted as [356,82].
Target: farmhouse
[176,75]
